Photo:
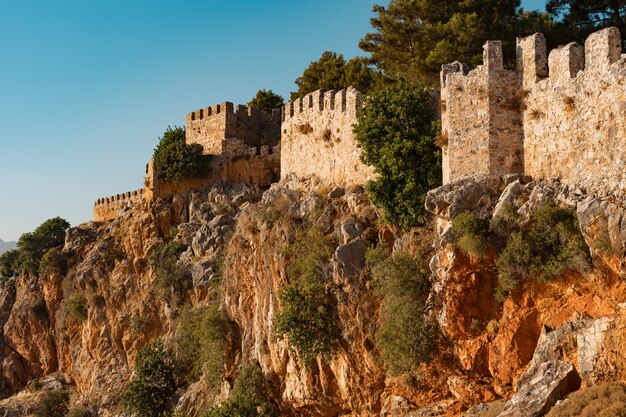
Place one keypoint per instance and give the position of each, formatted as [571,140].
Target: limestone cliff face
[562,332]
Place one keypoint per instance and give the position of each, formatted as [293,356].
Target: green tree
[33,245]
[405,337]
[174,159]
[308,308]
[249,397]
[413,38]
[267,101]
[149,392]
[332,72]
[200,343]
[8,263]
[396,132]
[578,18]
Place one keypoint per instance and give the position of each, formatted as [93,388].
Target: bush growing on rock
[249,397]
[52,403]
[471,233]
[8,266]
[32,246]
[200,342]
[149,392]
[52,262]
[78,411]
[77,307]
[307,306]
[405,337]
[169,272]
[547,246]
[396,132]
[174,159]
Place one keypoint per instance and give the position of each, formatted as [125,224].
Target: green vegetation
[267,100]
[249,397]
[8,263]
[411,39]
[200,344]
[174,159]
[396,133]
[471,233]
[77,307]
[31,248]
[405,337]
[549,245]
[308,308]
[604,246]
[605,400]
[332,72]
[52,262]
[149,392]
[169,273]
[52,403]
[78,411]
[576,19]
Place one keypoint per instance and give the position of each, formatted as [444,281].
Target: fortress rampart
[310,136]
[211,126]
[108,207]
[317,138]
[560,115]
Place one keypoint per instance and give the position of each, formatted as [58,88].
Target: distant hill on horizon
[5,246]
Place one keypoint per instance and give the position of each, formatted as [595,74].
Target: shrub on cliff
[471,233]
[8,263]
[33,245]
[267,101]
[199,344]
[52,403]
[52,262]
[307,306]
[174,159]
[249,397]
[549,245]
[396,132]
[150,390]
[170,274]
[405,337]
[77,307]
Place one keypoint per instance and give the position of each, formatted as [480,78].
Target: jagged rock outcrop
[493,353]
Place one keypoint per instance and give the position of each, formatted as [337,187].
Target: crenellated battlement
[349,100]
[317,138]
[211,126]
[564,112]
[107,207]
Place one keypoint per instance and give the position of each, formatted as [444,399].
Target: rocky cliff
[84,321]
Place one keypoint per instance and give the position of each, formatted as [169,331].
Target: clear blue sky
[86,86]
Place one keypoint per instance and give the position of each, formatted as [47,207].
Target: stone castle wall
[317,138]
[575,119]
[480,118]
[561,115]
[108,207]
[211,126]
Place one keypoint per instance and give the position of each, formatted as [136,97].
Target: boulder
[540,388]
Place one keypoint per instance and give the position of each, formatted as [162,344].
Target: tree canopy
[396,133]
[174,159]
[332,72]
[413,38]
[149,392]
[32,246]
[581,17]
[266,100]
